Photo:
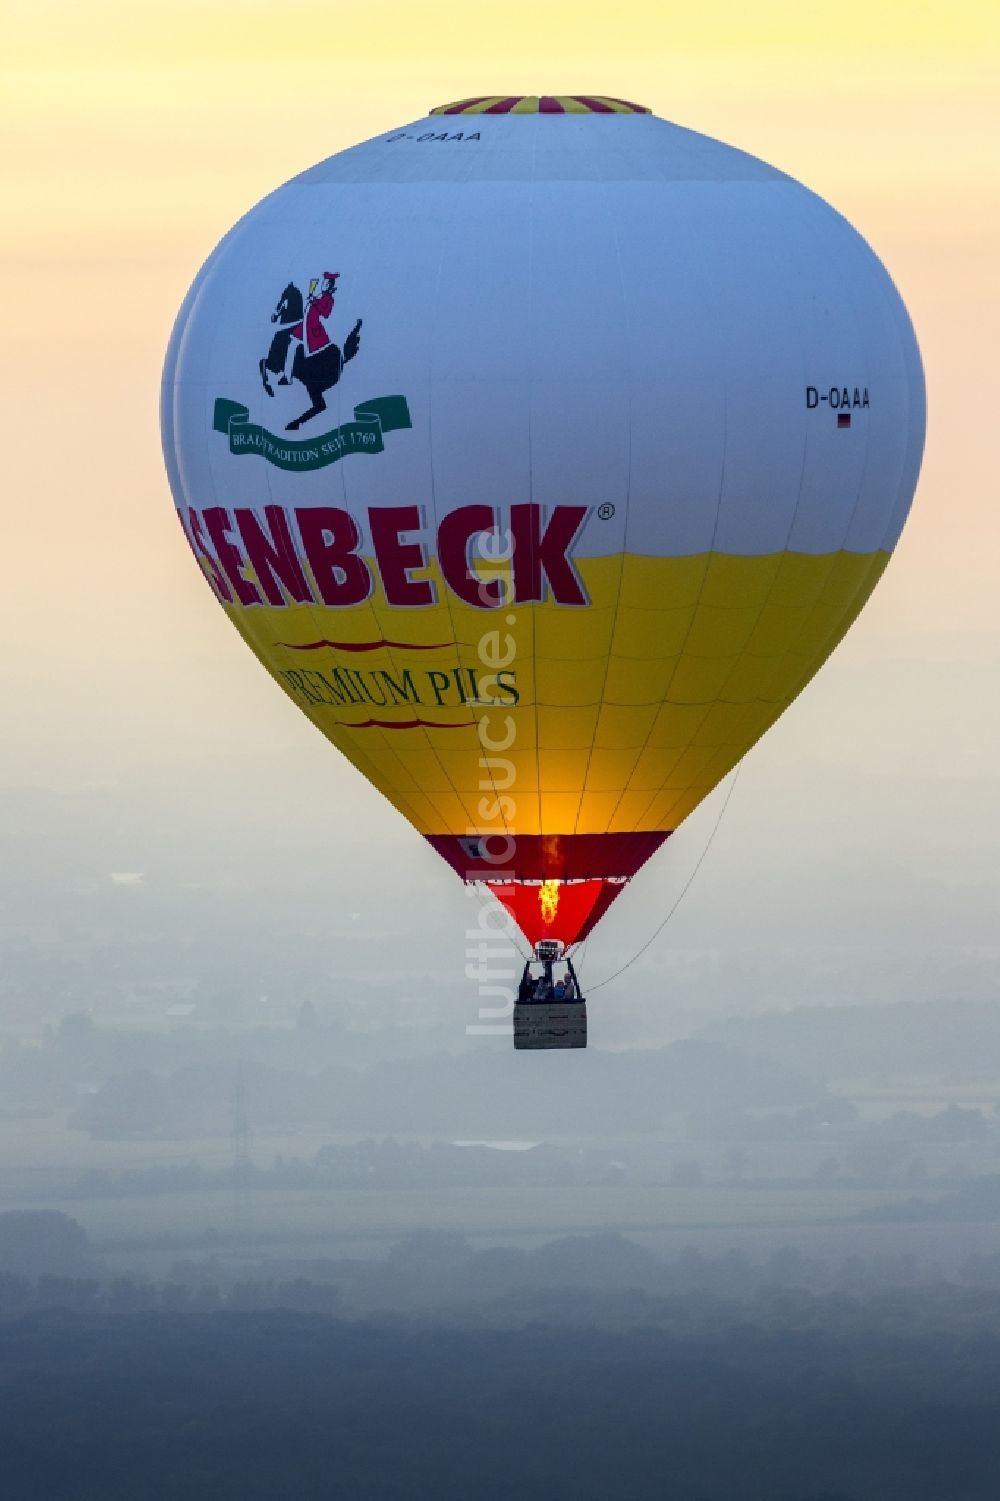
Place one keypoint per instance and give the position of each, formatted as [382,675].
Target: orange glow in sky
[137,133]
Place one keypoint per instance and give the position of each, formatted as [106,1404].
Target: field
[299,1218]
[41,1158]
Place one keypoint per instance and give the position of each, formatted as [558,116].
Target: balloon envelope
[542,451]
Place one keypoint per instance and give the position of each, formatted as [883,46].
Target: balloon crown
[541,104]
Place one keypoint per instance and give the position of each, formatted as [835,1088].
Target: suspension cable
[493,904]
[682,894]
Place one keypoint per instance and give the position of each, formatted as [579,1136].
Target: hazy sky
[136,134]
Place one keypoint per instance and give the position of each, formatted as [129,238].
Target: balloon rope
[683,891]
[578,951]
[494,904]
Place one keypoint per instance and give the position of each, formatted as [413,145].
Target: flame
[548,900]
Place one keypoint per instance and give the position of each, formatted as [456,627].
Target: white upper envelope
[578,309]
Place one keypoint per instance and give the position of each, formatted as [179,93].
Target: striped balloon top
[541,104]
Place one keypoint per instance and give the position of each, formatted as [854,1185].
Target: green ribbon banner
[383,414]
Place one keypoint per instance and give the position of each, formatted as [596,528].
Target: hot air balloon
[550,498]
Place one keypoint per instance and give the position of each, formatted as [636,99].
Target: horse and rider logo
[302,350]
[317,362]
